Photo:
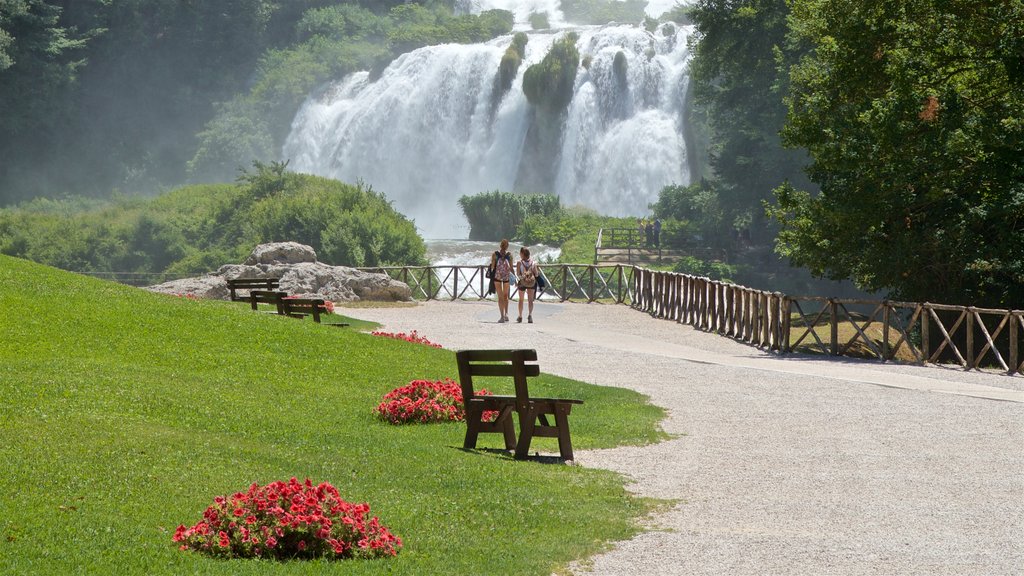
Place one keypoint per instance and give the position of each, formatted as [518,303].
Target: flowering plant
[288,520]
[425,401]
[410,337]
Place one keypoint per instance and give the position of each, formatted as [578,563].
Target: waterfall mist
[434,127]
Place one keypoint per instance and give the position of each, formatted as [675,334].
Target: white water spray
[428,131]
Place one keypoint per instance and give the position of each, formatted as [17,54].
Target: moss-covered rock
[550,83]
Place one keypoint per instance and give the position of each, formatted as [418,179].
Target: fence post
[430,278]
[455,283]
[565,281]
[1014,361]
[970,337]
[833,326]
[886,353]
[787,313]
[925,321]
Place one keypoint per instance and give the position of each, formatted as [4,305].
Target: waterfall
[431,128]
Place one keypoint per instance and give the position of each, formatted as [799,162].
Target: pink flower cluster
[287,520]
[423,401]
[410,337]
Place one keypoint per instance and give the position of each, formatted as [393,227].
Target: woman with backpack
[527,272]
[501,270]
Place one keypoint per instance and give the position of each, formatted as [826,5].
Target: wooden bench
[302,307]
[251,284]
[533,412]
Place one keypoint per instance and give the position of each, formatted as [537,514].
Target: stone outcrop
[300,273]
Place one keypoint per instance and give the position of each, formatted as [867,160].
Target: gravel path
[781,465]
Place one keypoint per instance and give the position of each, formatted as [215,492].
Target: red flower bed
[423,401]
[288,520]
[410,337]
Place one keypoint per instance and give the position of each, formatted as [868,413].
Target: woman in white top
[527,273]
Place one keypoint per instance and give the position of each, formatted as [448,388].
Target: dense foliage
[496,215]
[199,228]
[913,114]
[550,83]
[572,228]
[139,95]
[740,84]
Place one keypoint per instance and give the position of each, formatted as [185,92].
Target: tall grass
[125,412]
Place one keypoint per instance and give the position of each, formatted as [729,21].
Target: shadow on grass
[507,455]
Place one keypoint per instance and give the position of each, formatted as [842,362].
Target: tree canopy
[141,95]
[913,115]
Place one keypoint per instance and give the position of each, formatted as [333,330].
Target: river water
[471,253]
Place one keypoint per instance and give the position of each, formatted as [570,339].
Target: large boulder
[210,287]
[301,275]
[280,253]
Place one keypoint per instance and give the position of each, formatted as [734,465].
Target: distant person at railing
[649,233]
[500,270]
[657,231]
[527,273]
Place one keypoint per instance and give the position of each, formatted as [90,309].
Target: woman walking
[501,269]
[527,272]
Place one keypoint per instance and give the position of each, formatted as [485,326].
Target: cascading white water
[428,131]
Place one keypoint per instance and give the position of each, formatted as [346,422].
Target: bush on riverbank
[496,215]
[199,228]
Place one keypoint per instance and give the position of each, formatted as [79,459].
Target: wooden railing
[566,282]
[974,338]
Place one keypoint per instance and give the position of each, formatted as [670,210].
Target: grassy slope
[125,412]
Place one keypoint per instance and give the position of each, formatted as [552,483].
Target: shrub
[288,520]
[496,215]
[423,401]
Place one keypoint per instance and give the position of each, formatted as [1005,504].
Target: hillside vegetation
[198,228]
[125,412]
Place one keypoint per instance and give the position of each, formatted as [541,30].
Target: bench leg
[564,441]
[472,428]
[508,428]
[527,424]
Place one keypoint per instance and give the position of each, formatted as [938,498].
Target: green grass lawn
[125,412]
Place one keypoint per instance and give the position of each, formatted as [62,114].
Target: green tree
[40,60]
[739,78]
[913,114]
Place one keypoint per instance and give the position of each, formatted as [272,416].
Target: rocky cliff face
[300,274]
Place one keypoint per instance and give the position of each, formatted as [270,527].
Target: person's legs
[532,293]
[520,318]
[503,300]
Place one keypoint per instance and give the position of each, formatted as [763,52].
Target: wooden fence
[973,338]
[566,282]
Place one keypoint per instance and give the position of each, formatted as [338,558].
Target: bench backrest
[250,284]
[497,363]
[304,307]
[257,297]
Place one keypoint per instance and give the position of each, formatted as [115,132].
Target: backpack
[528,275]
[502,266]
